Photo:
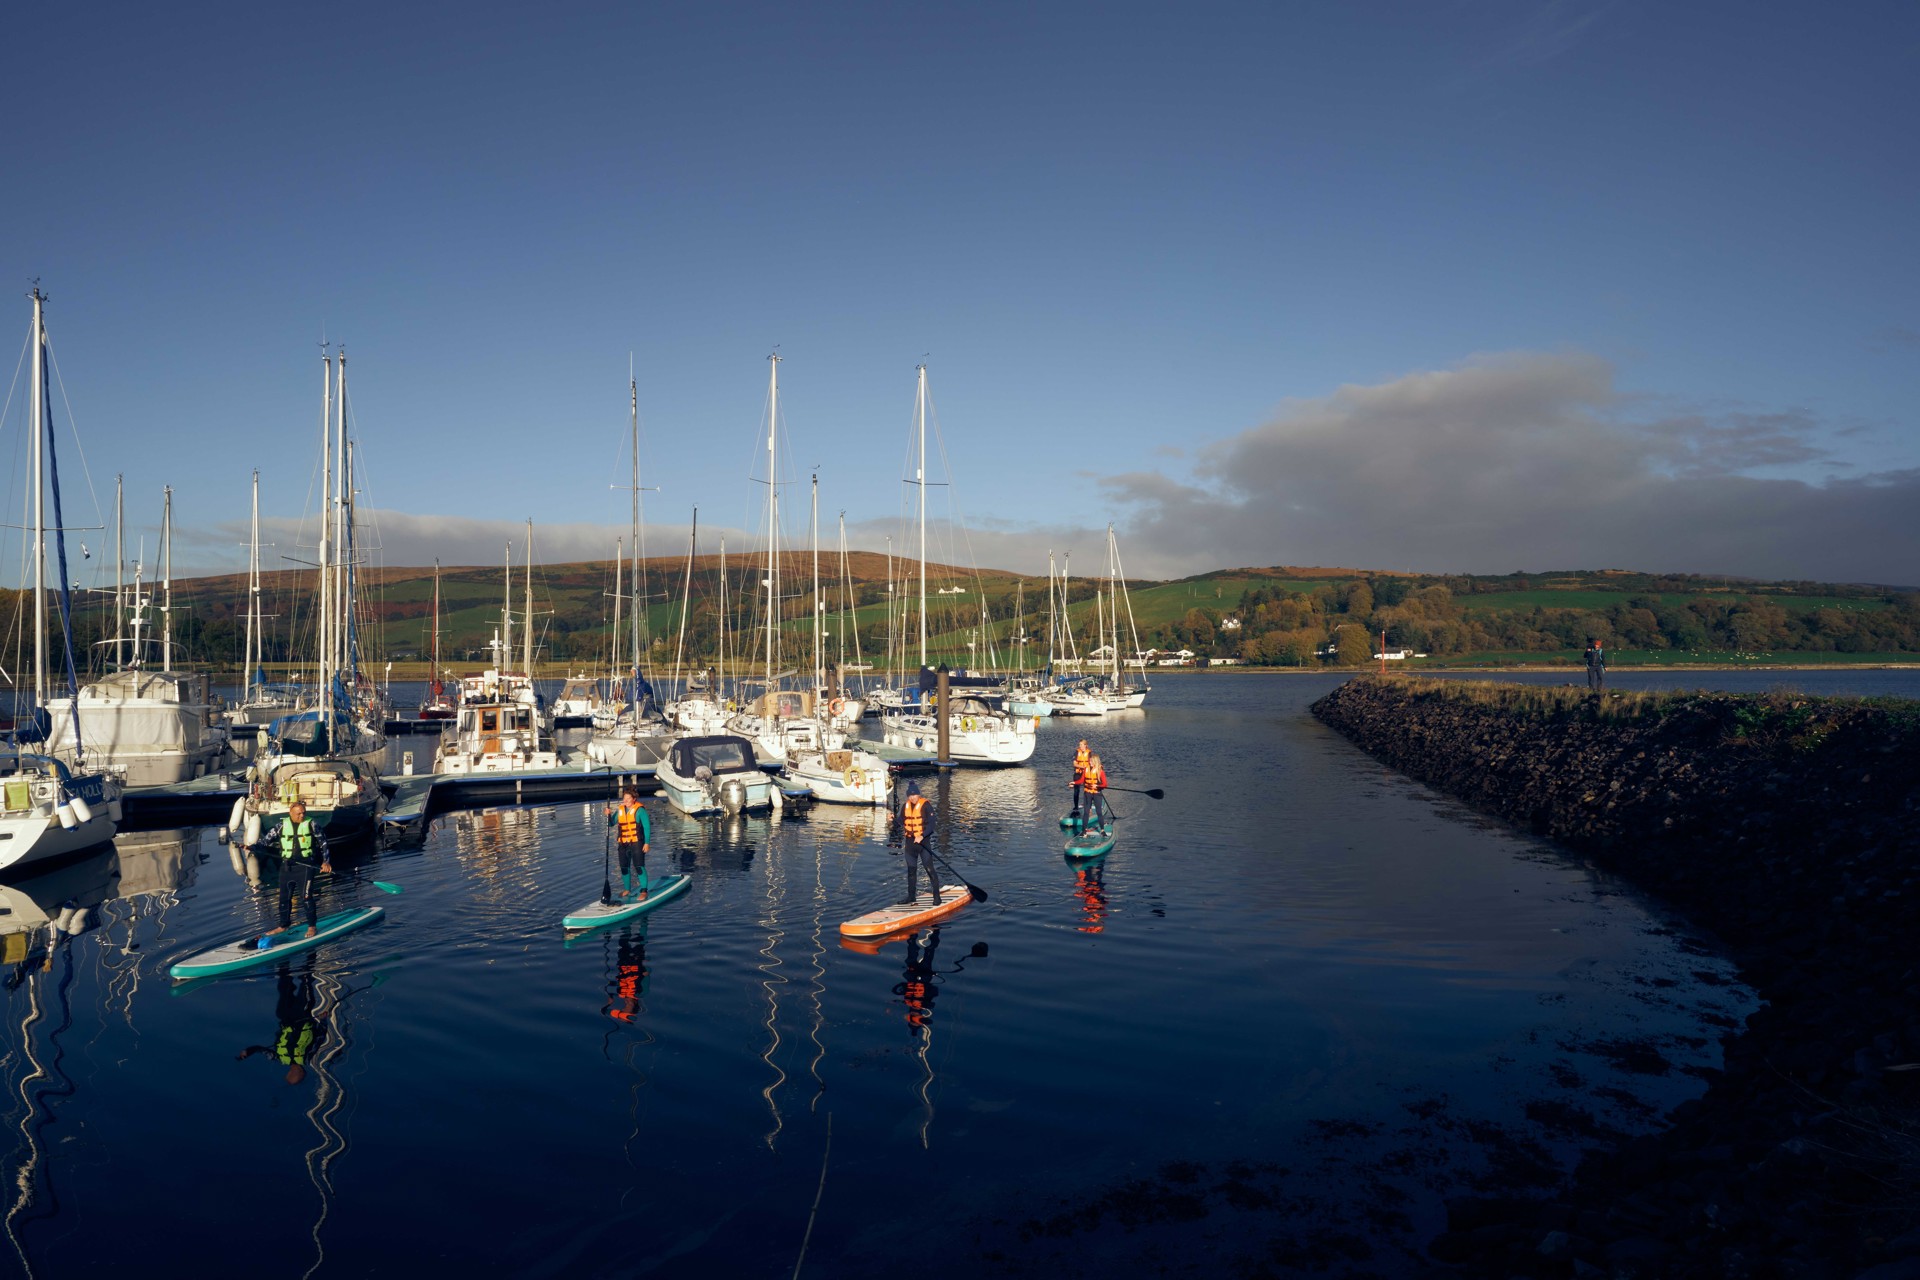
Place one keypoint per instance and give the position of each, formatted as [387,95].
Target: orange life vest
[628,816]
[913,818]
[1094,782]
[1080,759]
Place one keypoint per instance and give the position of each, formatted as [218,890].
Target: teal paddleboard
[1073,823]
[597,913]
[248,952]
[1090,844]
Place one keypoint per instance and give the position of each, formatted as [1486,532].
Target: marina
[1406,1009]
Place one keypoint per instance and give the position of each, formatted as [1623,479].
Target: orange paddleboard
[922,910]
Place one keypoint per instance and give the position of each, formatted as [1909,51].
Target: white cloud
[1522,460]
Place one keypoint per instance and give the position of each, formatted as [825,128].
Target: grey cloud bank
[1513,461]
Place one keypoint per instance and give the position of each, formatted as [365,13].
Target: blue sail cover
[316,732]
[957,678]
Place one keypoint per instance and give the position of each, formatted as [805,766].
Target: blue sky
[1276,283]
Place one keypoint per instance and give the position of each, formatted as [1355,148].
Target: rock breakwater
[1788,826]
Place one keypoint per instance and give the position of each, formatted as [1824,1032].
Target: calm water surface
[1302,1001]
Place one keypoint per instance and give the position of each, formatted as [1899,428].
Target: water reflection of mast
[329,1100]
[37,1112]
[625,951]
[773,980]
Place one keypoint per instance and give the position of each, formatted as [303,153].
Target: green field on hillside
[1604,600]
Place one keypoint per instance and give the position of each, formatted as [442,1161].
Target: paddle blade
[387,887]
[979,894]
[1156,794]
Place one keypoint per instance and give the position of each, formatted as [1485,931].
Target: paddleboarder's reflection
[921,978]
[1090,886]
[629,982]
[303,1024]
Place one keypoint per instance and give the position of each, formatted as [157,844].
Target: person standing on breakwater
[302,847]
[913,827]
[1596,666]
[635,836]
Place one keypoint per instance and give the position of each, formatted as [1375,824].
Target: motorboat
[714,774]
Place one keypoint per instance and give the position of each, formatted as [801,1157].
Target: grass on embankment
[1778,717]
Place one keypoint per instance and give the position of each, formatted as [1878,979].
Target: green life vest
[296,840]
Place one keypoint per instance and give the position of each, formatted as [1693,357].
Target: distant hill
[1283,615]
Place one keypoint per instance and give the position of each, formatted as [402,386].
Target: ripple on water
[1297,961]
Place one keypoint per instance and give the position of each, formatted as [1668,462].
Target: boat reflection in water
[106,893]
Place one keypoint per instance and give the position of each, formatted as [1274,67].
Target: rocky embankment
[1789,827]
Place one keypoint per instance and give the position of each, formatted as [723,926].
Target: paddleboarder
[1093,782]
[302,849]
[1596,666]
[634,836]
[1080,758]
[913,829]
[302,1026]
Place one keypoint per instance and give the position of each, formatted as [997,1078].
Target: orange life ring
[837,706]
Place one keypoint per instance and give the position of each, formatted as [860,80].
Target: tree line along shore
[1286,618]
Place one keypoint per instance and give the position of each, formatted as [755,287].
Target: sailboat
[327,755]
[260,703]
[839,771]
[1122,694]
[47,807]
[148,727]
[637,736]
[1070,697]
[437,704]
[780,721]
[498,728]
[977,731]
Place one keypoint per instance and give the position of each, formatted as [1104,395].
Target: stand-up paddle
[606,865]
[1152,793]
[974,889]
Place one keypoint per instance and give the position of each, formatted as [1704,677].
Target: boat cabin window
[490,720]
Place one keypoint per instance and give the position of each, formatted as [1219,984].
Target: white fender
[239,814]
[81,809]
[252,830]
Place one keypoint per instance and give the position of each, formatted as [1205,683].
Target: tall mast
[619,570]
[341,604]
[38,415]
[166,579]
[1050,613]
[633,408]
[819,671]
[120,570]
[326,521]
[433,677]
[686,598]
[528,642]
[920,416]
[773,510]
[253,594]
[506,613]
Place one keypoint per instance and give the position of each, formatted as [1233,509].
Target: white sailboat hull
[970,739]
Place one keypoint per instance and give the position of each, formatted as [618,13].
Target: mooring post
[940,692]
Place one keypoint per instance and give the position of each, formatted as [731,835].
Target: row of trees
[1282,627]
